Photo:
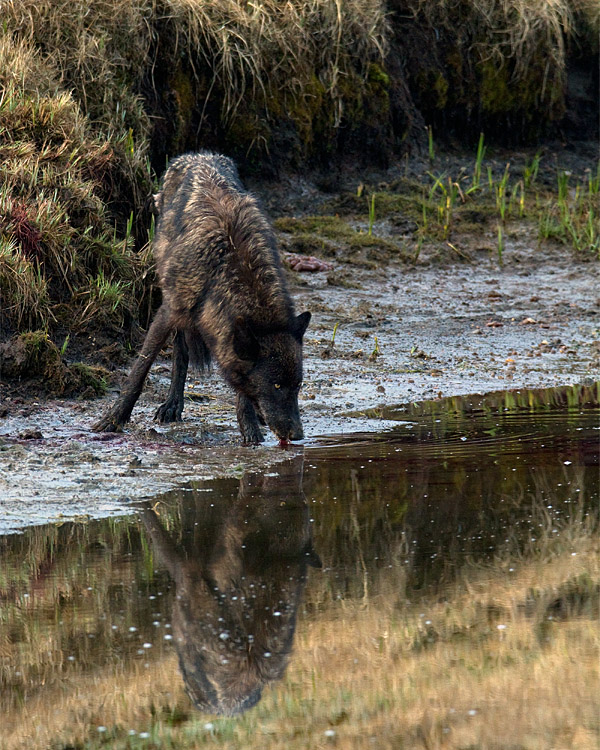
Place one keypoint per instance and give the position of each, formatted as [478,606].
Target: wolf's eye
[276,385]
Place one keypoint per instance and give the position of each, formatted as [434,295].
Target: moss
[432,89]
[329,226]
[496,95]
[440,87]
[376,74]
[89,380]
[310,244]
[356,247]
[33,356]
[312,113]
[534,100]
[28,355]
[248,136]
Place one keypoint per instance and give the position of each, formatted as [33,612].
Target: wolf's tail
[198,351]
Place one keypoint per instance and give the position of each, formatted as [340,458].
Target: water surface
[380,590]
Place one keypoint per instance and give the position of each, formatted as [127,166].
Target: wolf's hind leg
[172,408]
[153,343]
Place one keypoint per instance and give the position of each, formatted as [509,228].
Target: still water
[435,585]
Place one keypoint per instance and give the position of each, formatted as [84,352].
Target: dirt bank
[389,334]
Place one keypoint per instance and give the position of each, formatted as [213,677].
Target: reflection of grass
[515,638]
[417,675]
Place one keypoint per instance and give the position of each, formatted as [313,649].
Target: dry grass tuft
[93,95]
[56,176]
[254,49]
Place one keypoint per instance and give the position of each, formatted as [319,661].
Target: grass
[56,234]
[515,61]
[574,218]
[81,92]
[443,209]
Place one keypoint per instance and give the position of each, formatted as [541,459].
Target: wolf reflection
[239,564]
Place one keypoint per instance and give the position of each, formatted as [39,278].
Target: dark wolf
[225,297]
[240,567]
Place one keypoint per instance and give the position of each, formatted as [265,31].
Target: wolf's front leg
[248,421]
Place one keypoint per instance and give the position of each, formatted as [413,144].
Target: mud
[379,336]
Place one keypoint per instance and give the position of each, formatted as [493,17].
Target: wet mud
[400,334]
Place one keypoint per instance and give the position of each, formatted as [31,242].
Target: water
[375,591]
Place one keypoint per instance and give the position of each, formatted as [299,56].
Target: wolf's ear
[245,343]
[301,324]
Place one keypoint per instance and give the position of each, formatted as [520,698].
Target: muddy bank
[382,336]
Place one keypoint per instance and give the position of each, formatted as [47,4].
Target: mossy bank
[94,100]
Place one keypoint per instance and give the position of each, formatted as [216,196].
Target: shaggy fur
[225,297]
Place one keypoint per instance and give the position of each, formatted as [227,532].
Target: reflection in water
[460,586]
[239,564]
[471,478]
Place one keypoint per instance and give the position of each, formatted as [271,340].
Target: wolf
[225,297]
